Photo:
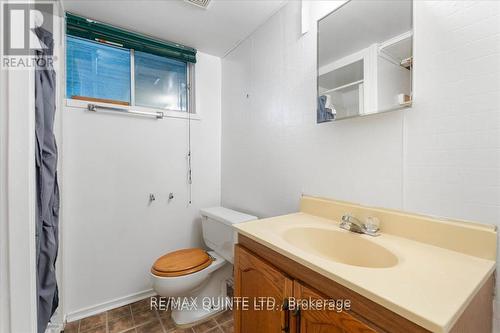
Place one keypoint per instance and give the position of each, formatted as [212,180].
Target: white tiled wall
[273,150]
[442,157]
[111,164]
[452,157]
[452,140]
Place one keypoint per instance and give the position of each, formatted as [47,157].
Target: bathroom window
[97,71]
[160,82]
[111,65]
[102,73]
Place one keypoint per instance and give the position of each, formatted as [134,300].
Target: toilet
[197,275]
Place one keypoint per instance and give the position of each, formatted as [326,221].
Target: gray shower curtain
[47,229]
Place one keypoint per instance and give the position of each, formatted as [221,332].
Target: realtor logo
[19,23]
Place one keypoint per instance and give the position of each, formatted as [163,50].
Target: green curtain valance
[82,27]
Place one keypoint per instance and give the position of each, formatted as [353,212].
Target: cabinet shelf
[342,87]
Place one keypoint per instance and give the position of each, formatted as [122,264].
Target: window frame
[190,83]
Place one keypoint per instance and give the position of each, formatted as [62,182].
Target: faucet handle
[347,217]
[372,224]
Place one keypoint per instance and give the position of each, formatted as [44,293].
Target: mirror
[365,59]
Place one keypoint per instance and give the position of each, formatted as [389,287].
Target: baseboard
[116,303]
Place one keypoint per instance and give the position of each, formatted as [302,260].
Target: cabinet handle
[296,313]
[285,316]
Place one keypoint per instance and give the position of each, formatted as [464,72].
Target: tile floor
[139,318]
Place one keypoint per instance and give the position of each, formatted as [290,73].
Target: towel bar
[95,108]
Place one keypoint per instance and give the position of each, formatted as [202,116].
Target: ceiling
[215,30]
[360,23]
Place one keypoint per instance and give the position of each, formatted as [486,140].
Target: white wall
[442,157]
[273,150]
[4,258]
[110,165]
[18,300]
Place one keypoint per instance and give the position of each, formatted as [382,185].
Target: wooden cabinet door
[255,279]
[320,320]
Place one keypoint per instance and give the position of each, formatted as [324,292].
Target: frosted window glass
[97,70]
[160,82]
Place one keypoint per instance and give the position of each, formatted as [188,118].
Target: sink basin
[343,247]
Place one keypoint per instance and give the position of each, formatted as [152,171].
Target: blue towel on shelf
[324,114]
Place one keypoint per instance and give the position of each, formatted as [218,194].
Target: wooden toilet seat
[181,262]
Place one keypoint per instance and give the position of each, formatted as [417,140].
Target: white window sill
[79,104]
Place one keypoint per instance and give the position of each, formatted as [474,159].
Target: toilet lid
[181,262]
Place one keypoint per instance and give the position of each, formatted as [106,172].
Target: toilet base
[184,319]
[207,300]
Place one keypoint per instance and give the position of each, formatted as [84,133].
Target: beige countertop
[430,285]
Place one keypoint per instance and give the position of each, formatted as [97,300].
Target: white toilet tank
[218,233]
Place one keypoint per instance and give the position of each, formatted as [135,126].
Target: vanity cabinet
[319,320]
[259,282]
[272,306]
[261,272]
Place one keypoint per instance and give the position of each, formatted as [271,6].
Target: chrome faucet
[352,224]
